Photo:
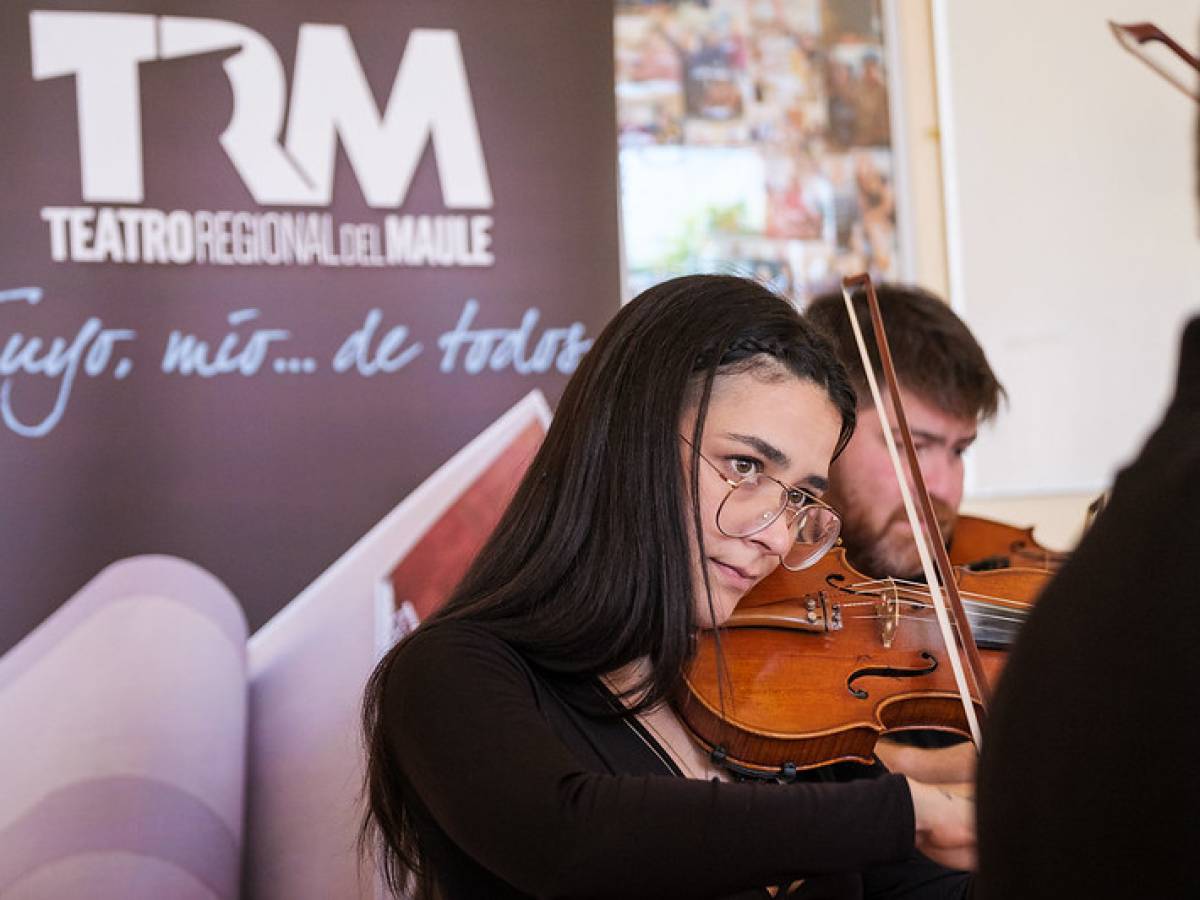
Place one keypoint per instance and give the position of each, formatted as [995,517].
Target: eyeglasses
[755,501]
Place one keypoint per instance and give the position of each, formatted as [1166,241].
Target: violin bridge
[887,608]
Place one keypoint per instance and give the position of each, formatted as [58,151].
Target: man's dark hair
[936,356]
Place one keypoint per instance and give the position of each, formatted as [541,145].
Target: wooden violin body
[817,664]
[813,666]
[984,544]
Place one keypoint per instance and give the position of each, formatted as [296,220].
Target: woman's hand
[945,815]
[943,765]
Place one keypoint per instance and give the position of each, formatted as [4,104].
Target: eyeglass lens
[753,505]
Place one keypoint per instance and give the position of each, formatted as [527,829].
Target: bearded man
[948,389]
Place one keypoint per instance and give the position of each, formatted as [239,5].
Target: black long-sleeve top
[1086,784]
[522,789]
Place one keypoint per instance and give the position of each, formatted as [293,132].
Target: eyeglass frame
[810,499]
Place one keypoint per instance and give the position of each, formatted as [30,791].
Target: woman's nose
[778,537]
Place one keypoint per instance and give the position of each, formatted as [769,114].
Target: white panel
[1073,228]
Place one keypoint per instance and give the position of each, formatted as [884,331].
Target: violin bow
[929,536]
[1133,36]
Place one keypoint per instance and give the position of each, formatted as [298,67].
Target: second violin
[983,544]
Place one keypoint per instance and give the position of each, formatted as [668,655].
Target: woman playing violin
[521,743]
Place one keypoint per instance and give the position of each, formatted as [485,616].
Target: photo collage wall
[755,139]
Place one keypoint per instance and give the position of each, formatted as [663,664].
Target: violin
[814,675]
[813,666]
[983,544]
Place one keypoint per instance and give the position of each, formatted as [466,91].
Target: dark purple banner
[265,267]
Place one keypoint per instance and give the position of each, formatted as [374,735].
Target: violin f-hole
[890,672]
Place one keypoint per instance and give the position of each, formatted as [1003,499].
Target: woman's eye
[743,467]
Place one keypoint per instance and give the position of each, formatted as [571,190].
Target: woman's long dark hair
[590,567]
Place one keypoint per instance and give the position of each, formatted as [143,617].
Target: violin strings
[981,609]
[917,589]
[925,621]
[983,616]
[912,591]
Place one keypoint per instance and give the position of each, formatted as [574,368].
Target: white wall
[1072,228]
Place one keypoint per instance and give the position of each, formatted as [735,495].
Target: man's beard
[890,550]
